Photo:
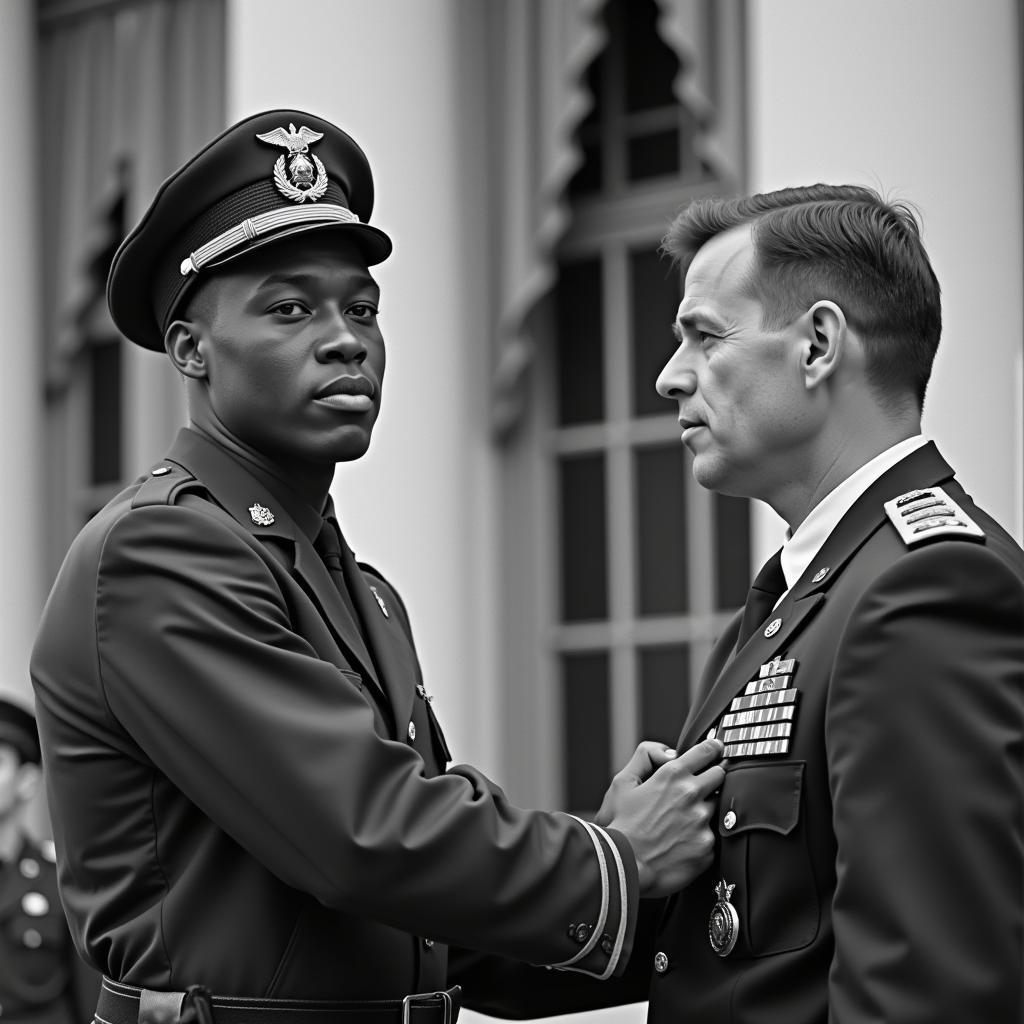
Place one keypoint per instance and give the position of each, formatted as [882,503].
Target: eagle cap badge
[304,175]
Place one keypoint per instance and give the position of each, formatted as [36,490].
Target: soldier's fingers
[646,759]
[699,756]
[710,780]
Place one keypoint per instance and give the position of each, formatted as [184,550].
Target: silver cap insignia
[261,516]
[306,176]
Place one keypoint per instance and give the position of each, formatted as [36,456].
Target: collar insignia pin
[724,922]
[306,176]
[380,601]
[261,516]
[772,628]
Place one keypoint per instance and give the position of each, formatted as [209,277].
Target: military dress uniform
[869,830]
[248,782]
[42,978]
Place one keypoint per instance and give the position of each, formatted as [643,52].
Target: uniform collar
[242,481]
[806,541]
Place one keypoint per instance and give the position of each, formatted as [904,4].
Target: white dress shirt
[801,547]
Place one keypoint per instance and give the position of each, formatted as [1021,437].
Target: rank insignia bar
[760,721]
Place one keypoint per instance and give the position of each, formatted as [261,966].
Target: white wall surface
[20,396]
[920,99]
[417,506]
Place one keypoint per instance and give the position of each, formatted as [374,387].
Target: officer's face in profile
[744,410]
[288,356]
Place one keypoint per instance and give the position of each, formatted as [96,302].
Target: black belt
[125,1004]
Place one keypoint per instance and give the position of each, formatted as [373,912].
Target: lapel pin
[261,516]
[773,627]
[820,575]
[380,601]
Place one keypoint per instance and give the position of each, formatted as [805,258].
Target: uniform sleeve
[200,663]
[924,741]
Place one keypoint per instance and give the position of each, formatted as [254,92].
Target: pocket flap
[760,796]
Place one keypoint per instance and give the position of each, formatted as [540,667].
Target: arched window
[620,570]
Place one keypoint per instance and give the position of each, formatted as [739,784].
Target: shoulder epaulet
[928,514]
[165,482]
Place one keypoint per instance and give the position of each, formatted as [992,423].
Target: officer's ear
[181,341]
[825,339]
[27,781]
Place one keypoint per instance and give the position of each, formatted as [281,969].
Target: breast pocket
[763,851]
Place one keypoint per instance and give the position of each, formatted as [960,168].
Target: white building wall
[21,456]
[418,507]
[922,100]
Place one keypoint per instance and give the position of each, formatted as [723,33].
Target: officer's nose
[340,342]
[676,378]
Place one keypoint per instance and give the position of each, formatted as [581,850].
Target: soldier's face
[292,355]
[739,386]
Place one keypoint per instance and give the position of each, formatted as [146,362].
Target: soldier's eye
[290,308]
[363,310]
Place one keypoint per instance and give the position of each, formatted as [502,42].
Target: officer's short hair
[844,243]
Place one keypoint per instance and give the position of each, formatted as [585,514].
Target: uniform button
[29,868]
[729,820]
[412,730]
[607,945]
[35,904]
[32,939]
[428,943]
[582,933]
[660,963]
[161,471]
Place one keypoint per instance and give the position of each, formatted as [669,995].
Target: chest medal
[724,922]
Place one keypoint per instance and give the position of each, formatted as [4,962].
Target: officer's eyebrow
[695,320]
[300,279]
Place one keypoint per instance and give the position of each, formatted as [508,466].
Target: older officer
[246,775]
[868,864]
[42,978]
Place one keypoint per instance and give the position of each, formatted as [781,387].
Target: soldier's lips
[347,402]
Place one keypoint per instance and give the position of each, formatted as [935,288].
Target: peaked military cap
[18,729]
[269,176]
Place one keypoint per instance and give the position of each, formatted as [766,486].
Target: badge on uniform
[305,176]
[760,721]
[724,922]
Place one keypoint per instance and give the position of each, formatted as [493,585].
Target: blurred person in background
[42,978]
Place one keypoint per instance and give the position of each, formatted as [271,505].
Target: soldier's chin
[353,444]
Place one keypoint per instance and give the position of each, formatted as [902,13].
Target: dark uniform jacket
[42,978]
[247,784]
[878,864]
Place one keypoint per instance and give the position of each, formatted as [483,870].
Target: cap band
[262,224]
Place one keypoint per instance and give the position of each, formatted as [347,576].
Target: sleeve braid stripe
[598,928]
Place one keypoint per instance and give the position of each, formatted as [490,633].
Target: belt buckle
[422,997]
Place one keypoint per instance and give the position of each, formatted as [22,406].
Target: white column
[21,451]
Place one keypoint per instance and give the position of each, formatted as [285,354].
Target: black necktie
[768,586]
[328,547]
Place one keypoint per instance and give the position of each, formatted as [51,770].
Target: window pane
[584,545]
[655,298]
[580,348]
[651,66]
[105,411]
[586,724]
[661,530]
[664,692]
[652,155]
[732,551]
